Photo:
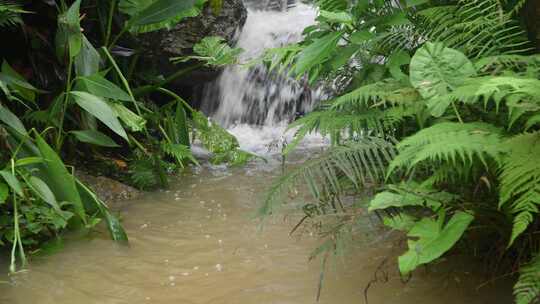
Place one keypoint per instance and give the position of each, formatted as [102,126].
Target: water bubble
[219,267]
[202,202]
[220,242]
[144,226]
[173,284]
[172,278]
[196,268]
[207,236]
[185,274]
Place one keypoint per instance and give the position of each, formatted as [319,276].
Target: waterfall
[253,103]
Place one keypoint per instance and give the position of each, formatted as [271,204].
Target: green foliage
[213,51]
[453,89]
[87,108]
[10,14]
[520,180]
[151,15]
[527,288]
[433,237]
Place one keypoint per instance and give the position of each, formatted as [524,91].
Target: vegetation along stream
[278,151]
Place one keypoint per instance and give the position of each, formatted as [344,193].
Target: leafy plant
[451,91]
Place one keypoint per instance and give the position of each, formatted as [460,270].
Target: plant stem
[457,112]
[59,138]
[109,22]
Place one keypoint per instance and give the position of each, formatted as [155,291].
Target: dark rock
[159,46]
[116,194]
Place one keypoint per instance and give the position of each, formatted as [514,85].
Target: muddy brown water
[198,244]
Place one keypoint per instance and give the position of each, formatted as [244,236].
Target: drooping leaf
[100,86]
[99,109]
[116,230]
[88,60]
[43,191]
[11,120]
[316,52]
[59,180]
[95,138]
[13,182]
[134,122]
[164,14]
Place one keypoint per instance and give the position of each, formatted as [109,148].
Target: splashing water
[253,103]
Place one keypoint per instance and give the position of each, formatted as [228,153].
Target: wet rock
[113,192]
[161,45]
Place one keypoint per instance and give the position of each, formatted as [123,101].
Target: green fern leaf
[448,142]
[527,288]
[520,180]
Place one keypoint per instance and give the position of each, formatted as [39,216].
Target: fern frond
[358,162]
[527,288]
[10,14]
[380,93]
[179,152]
[520,180]
[478,28]
[143,174]
[448,142]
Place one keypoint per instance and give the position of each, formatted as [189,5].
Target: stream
[198,242]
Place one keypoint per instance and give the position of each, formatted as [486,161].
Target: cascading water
[253,103]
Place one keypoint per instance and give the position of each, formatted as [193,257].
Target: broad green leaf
[17,83]
[100,86]
[361,36]
[95,138]
[395,62]
[4,193]
[401,222]
[133,121]
[59,180]
[11,120]
[342,56]
[399,18]
[433,239]
[388,199]
[133,7]
[99,109]
[69,36]
[164,14]
[336,17]
[316,52]
[88,60]
[13,182]
[436,70]
[43,191]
